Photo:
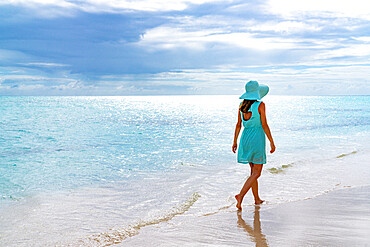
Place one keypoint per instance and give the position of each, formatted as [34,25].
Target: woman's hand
[235,146]
[272,147]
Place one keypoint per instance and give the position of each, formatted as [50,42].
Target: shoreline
[332,219]
[211,219]
[199,224]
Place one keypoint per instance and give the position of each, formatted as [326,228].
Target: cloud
[112,47]
[38,3]
[44,64]
[318,8]
[57,8]
[139,5]
[169,37]
[290,79]
[205,31]
[289,27]
[358,51]
[363,39]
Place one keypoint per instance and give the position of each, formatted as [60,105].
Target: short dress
[252,145]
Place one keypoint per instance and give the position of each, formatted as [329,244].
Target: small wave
[281,169]
[9,197]
[219,210]
[19,130]
[276,170]
[344,155]
[186,164]
[115,236]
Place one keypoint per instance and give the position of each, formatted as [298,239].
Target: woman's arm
[266,128]
[237,131]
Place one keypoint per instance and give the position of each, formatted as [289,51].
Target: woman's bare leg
[257,199]
[256,172]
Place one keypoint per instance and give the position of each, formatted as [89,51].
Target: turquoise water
[58,143]
[171,150]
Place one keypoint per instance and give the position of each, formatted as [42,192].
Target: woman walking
[252,141]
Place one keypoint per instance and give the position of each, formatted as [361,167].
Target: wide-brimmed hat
[254,91]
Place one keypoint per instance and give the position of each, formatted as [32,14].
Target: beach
[338,218]
[138,171]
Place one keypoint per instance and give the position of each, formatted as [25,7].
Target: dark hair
[246,104]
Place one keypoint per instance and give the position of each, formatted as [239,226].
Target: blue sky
[146,47]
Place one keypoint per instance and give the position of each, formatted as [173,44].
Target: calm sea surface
[73,168]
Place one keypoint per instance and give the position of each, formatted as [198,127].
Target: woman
[252,142]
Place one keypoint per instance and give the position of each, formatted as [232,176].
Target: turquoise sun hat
[254,91]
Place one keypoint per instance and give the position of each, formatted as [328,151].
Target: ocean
[98,170]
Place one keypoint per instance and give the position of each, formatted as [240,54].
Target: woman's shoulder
[261,106]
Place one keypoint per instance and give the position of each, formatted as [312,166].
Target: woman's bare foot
[239,203]
[258,202]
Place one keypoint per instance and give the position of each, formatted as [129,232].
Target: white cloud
[337,80]
[114,6]
[170,37]
[200,32]
[28,87]
[358,50]
[44,64]
[285,27]
[320,8]
[141,5]
[72,85]
[38,3]
[298,37]
[328,80]
[282,80]
[324,74]
[238,24]
[22,77]
[363,39]
[33,79]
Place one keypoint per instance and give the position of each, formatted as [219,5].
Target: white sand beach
[338,218]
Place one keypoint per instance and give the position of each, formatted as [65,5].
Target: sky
[166,47]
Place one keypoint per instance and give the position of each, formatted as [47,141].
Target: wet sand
[338,218]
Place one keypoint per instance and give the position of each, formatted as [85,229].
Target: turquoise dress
[252,145]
